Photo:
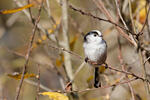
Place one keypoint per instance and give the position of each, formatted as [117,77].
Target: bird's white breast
[94,52]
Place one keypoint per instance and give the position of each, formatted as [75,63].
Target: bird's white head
[93,36]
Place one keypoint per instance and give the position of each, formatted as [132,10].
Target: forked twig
[28,53]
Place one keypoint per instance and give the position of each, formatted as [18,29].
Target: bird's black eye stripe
[95,33]
[90,33]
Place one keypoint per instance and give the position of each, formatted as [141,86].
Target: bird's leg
[86,59]
[97,78]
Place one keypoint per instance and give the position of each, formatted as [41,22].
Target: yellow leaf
[72,42]
[102,69]
[117,80]
[142,15]
[54,26]
[17,76]
[90,78]
[15,9]
[60,60]
[39,41]
[130,76]
[55,95]
[44,37]
[34,45]
[142,12]
[50,31]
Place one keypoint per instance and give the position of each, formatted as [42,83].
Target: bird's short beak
[100,36]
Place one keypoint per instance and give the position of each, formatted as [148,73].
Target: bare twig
[38,84]
[101,7]
[28,53]
[31,17]
[67,58]
[79,91]
[78,70]
[49,12]
[144,73]
[146,60]
[131,17]
[118,26]
[146,21]
[129,73]
[123,68]
[95,17]
[103,87]
[111,68]
[70,52]
[119,13]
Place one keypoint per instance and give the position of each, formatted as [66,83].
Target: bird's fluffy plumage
[95,47]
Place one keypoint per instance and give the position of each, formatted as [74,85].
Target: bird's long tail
[97,82]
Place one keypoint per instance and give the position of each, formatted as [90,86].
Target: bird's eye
[95,35]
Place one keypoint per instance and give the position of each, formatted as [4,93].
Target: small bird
[95,49]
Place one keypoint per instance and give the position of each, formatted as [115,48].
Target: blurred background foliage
[16,31]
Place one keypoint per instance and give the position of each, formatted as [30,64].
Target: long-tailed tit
[95,49]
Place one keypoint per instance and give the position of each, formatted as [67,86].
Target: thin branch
[79,91]
[28,54]
[101,19]
[31,17]
[102,8]
[144,73]
[70,52]
[38,84]
[124,69]
[146,21]
[81,58]
[78,70]
[67,58]
[95,17]
[146,60]
[111,68]
[119,13]
[103,87]
[131,17]
[147,24]
[49,12]
[129,73]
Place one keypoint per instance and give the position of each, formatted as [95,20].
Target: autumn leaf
[142,15]
[72,42]
[90,78]
[55,95]
[60,60]
[102,69]
[15,9]
[44,37]
[130,76]
[17,75]
[142,12]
